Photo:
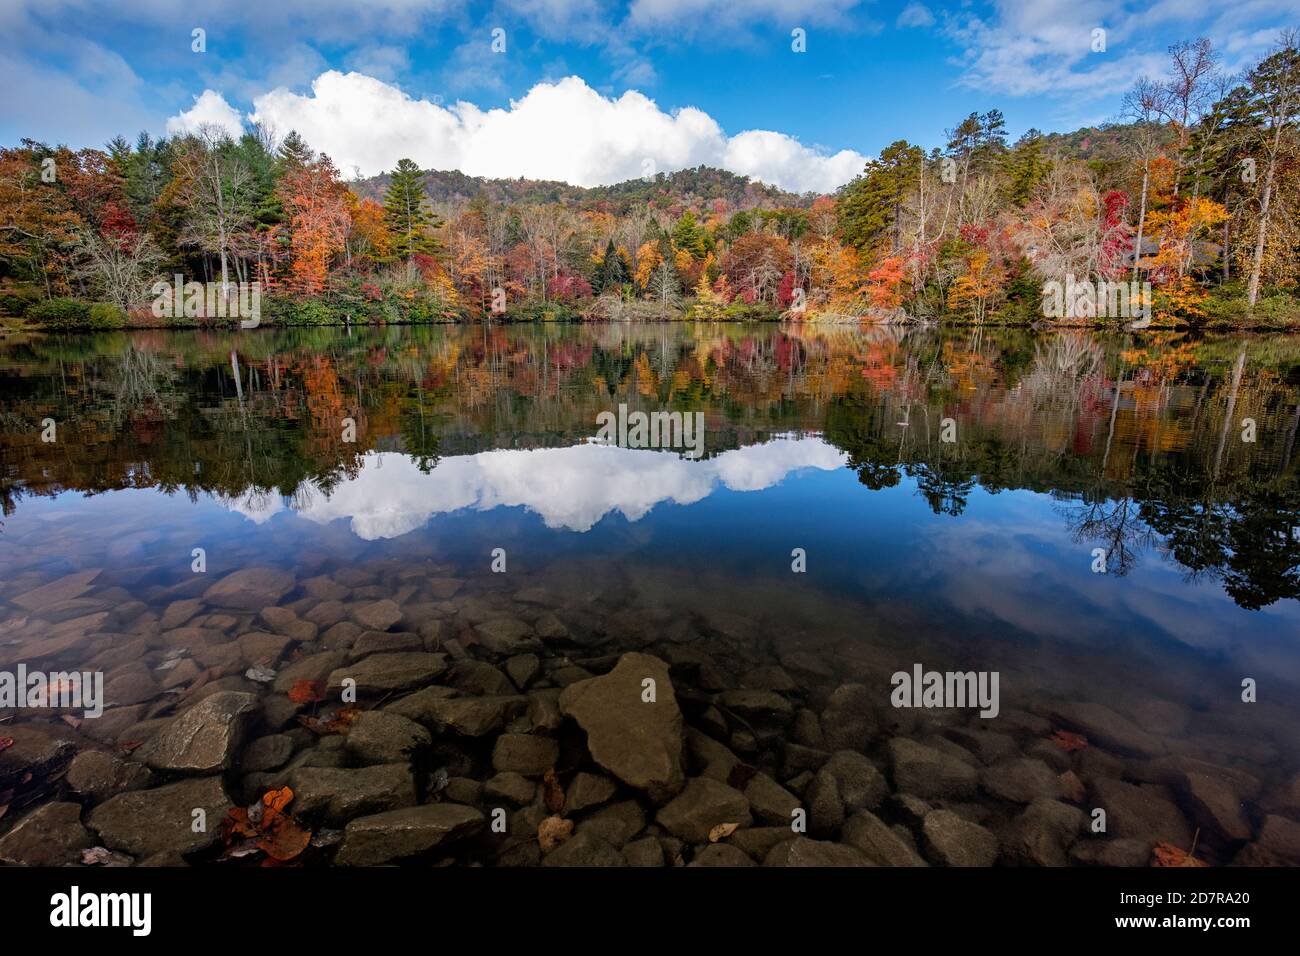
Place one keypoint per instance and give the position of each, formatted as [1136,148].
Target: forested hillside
[1194,192]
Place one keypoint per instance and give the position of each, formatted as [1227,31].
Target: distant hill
[696,187]
[1107,148]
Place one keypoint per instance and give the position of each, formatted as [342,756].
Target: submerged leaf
[552,832]
[722,831]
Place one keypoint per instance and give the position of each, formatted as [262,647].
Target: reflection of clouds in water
[257,506]
[572,487]
[1004,561]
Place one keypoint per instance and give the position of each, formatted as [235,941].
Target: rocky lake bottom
[505,721]
[377,596]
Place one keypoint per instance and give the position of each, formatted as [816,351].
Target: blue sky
[596,92]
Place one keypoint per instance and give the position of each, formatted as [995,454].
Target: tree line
[1196,191]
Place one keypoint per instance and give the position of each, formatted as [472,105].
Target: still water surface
[1172,462]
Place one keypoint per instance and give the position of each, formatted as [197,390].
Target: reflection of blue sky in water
[571,488]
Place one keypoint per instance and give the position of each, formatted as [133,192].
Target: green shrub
[315,312]
[106,315]
[60,314]
[16,300]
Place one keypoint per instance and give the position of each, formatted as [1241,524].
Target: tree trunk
[1257,262]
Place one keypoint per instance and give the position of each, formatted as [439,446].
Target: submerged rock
[1108,729]
[930,773]
[701,806]
[802,851]
[250,589]
[379,737]
[386,673]
[951,841]
[51,835]
[526,754]
[98,775]
[203,739]
[402,834]
[145,822]
[336,795]
[867,833]
[639,742]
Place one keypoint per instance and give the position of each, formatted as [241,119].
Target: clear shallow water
[976,554]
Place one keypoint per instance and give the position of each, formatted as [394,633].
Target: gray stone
[1108,729]
[250,589]
[51,835]
[1095,852]
[467,716]
[402,834]
[336,795]
[617,823]
[757,705]
[1140,813]
[312,667]
[584,849]
[1215,804]
[861,785]
[506,636]
[509,787]
[383,642]
[388,673]
[646,852]
[587,790]
[878,843]
[205,738]
[951,841]
[929,773]
[145,822]
[702,805]
[267,753]
[376,615]
[523,669]
[769,801]
[1043,834]
[379,737]
[825,808]
[848,720]
[801,851]
[97,775]
[526,754]
[1021,780]
[638,742]
[1281,838]
[721,854]
[479,677]
[62,589]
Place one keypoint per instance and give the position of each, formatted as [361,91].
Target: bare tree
[1186,92]
[1144,105]
[122,270]
[218,195]
[1275,85]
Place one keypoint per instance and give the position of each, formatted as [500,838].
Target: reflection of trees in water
[1144,441]
[1113,524]
[140,382]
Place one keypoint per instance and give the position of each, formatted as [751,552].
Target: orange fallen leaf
[554,793]
[1068,741]
[1166,854]
[552,832]
[275,833]
[307,691]
[722,831]
[6,743]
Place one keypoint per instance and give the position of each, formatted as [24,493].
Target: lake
[1108,522]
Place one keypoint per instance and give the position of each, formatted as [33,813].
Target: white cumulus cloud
[209,109]
[562,130]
